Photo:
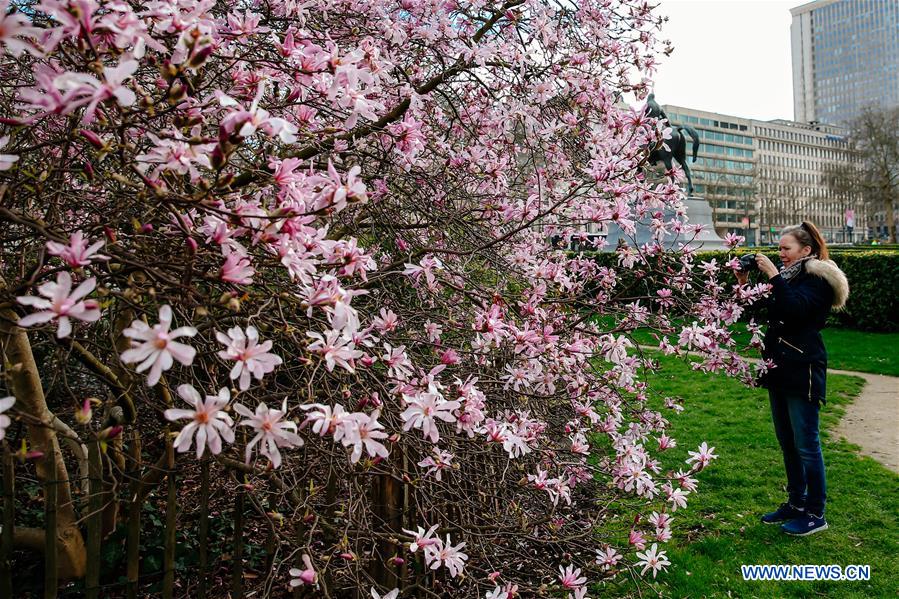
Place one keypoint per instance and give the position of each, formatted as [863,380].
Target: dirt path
[872,420]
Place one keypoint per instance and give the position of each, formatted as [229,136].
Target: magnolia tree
[307,245]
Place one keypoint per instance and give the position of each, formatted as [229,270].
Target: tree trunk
[890,220]
[387,504]
[25,385]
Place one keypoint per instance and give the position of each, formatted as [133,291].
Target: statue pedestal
[698,213]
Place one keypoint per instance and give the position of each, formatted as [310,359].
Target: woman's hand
[765,265]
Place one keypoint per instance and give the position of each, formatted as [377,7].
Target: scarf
[795,268]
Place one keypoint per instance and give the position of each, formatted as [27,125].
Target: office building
[760,176]
[844,58]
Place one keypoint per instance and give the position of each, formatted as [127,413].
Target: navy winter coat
[797,311]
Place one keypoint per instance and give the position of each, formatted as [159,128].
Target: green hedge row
[873,284]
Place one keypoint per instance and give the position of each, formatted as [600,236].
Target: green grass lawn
[877,353]
[720,530]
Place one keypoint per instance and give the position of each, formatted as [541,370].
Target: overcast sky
[730,56]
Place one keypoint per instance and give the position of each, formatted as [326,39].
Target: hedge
[873,284]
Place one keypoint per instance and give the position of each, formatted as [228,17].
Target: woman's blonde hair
[808,235]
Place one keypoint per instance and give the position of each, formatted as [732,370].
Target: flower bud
[200,57]
[93,138]
[84,414]
[109,433]
[24,455]
[218,157]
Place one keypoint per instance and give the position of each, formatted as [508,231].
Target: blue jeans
[796,426]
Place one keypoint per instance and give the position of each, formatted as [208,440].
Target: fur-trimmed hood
[830,272]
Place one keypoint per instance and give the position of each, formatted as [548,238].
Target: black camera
[748,263]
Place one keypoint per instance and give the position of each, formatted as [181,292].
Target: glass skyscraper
[845,57]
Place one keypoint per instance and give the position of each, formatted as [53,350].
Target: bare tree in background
[875,140]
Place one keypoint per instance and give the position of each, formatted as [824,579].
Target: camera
[747,263]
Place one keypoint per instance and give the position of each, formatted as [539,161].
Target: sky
[730,57]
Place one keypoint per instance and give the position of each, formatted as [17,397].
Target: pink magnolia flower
[450,357]
[437,463]
[307,576]
[686,482]
[636,539]
[270,431]
[732,240]
[176,155]
[245,122]
[497,593]
[397,361]
[702,457]
[434,331]
[87,89]
[424,410]
[423,539]
[666,442]
[607,558]
[14,26]
[571,577]
[6,160]
[237,269]
[386,322]
[77,253]
[362,430]
[325,419]
[394,594]
[665,298]
[61,304]
[249,356]
[208,420]
[426,268]
[335,348]
[694,336]
[335,194]
[155,347]
[445,554]
[5,404]
[677,497]
[652,559]
[660,520]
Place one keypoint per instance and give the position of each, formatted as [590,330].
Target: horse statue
[677,144]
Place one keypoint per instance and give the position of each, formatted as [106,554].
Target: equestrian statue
[676,145]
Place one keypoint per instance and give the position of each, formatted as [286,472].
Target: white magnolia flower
[5,404]
[77,253]
[423,412]
[250,356]
[208,421]
[61,304]
[270,430]
[155,347]
[445,554]
[651,559]
[6,160]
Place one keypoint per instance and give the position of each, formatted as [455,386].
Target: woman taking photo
[805,289]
